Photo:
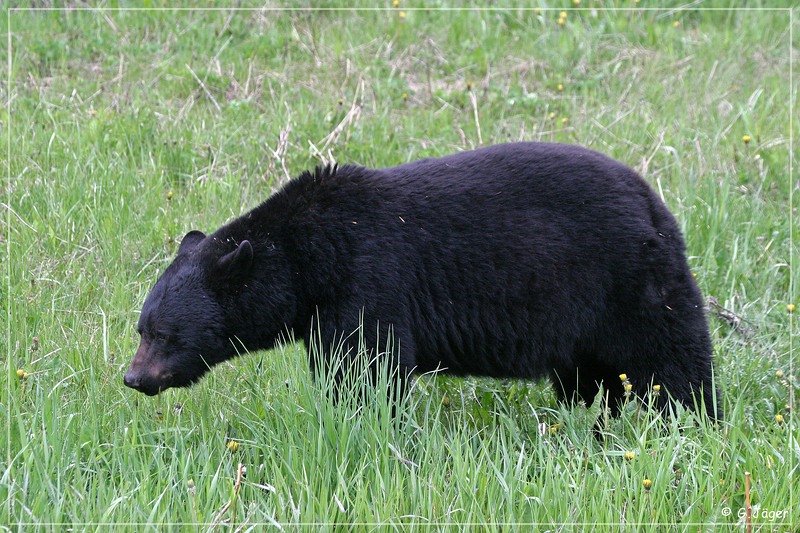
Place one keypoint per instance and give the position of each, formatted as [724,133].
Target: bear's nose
[132,380]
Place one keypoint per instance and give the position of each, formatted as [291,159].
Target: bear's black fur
[519,260]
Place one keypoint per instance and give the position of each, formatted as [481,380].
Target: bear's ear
[236,265]
[190,240]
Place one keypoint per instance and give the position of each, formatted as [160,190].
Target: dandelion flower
[21,374]
[232,445]
[647,483]
[576,3]
[779,418]
[170,194]
[628,387]
[402,14]
[676,24]
[746,139]
[630,456]
[395,3]
[779,373]
[560,87]
[657,388]
[623,377]
[790,308]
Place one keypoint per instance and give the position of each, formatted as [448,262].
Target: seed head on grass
[626,385]
[656,390]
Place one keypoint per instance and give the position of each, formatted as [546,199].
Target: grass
[129,128]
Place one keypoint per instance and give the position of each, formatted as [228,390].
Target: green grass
[116,150]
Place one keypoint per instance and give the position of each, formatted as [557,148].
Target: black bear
[520,260]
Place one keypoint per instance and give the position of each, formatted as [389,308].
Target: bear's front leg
[358,353]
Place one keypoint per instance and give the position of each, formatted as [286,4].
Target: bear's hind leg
[572,386]
[582,383]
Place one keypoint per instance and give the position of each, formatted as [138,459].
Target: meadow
[124,129]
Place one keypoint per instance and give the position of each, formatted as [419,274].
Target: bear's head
[199,313]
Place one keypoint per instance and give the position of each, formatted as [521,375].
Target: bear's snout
[146,373]
[145,384]
[132,379]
